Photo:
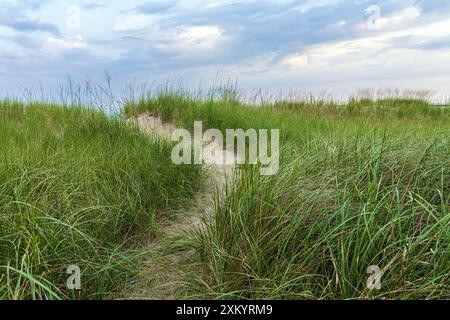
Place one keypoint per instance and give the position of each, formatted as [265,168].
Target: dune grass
[363,183]
[78,187]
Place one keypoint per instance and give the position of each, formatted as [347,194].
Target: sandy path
[161,277]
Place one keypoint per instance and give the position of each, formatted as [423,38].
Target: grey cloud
[411,42]
[23,24]
[438,43]
[255,29]
[434,6]
[32,4]
[93,6]
[252,29]
[13,15]
[155,7]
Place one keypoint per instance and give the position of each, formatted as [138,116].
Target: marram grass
[76,188]
[361,184]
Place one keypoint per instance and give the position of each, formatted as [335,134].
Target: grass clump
[76,188]
[362,183]
[312,231]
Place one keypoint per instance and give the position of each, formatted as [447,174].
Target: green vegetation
[361,184]
[78,187]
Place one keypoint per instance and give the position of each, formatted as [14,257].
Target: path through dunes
[359,185]
[169,257]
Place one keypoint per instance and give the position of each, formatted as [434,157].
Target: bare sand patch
[162,277]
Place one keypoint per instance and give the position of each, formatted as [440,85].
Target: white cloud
[201,36]
[131,22]
[331,37]
[190,39]
[313,4]
[396,19]
[73,21]
[365,50]
[74,42]
[296,61]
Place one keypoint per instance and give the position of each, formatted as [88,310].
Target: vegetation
[78,187]
[363,183]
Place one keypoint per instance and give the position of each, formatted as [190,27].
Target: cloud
[93,6]
[13,16]
[278,41]
[28,25]
[436,44]
[131,22]
[433,6]
[422,42]
[75,42]
[30,4]
[156,7]
[296,61]
[396,19]
[197,37]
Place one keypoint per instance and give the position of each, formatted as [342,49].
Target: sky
[336,45]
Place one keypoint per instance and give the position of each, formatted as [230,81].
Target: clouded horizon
[337,45]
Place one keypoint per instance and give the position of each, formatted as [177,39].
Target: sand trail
[161,277]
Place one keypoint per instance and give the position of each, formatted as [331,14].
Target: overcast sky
[338,45]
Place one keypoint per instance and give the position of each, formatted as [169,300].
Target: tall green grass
[363,183]
[78,187]
[313,230]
